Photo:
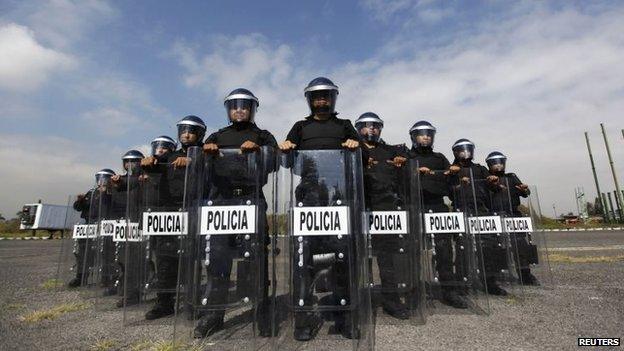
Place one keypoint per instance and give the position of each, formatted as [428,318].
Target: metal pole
[555,211]
[612,209]
[606,209]
[593,166]
[615,193]
[576,196]
[618,197]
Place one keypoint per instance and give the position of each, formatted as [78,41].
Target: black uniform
[508,202]
[384,190]
[128,254]
[313,134]
[111,205]
[491,247]
[434,188]
[84,249]
[231,185]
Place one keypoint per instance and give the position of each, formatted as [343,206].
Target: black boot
[396,309]
[494,289]
[74,283]
[160,309]
[307,326]
[345,327]
[208,325]
[454,299]
[133,299]
[528,278]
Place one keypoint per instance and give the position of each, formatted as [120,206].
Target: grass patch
[20,234]
[54,312]
[14,306]
[163,345]
[511,300]
[52,284]
[559,258]
[103,345]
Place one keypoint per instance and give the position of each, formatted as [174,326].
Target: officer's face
[497,167]
[186,137]
[239,114]
[160,151]
[424,139]
[370,130]
[321,101]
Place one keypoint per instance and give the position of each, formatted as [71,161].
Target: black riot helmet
[132,161]
[162,145]
[422,128]
[192,125]
[321,88]
[103,176]
[463,150]
[371,122]
[241,105]
[496,161]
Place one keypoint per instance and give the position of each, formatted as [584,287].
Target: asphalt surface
[585,299]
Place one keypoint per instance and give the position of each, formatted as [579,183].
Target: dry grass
[54,312]
[51,284]
[559,258]
[103,345]
[163,345]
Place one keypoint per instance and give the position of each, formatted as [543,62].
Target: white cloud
[426,11]
[65,22]
[24,63]
[46,168]
[528,85]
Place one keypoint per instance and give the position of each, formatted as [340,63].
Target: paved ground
[586,300]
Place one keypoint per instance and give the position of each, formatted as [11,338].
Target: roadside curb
[583,229]
[27,238]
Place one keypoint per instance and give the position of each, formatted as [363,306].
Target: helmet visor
[464,152]
[240,110]
[322,101]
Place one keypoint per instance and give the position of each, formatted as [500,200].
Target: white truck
[49,217]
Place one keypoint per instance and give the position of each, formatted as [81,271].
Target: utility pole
[603,204]
[606,209]
[615,193]
[555,211]
[576,197]
[614,216]
[618,197]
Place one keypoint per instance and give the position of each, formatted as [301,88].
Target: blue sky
[81,82]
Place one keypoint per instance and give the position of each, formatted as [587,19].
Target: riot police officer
[464,168]
[383,192]
[191,132]
[434,183]
[229,185]
[163,248]
[511,186]
[128,254]
[88,204]
[321,130]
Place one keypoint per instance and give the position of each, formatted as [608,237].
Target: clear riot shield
[77,252]
[104,281]
[456,249]
[530,240]
[324,274]
[155,268]
[223,281]
[499,255]
[131,244]
[393,229]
